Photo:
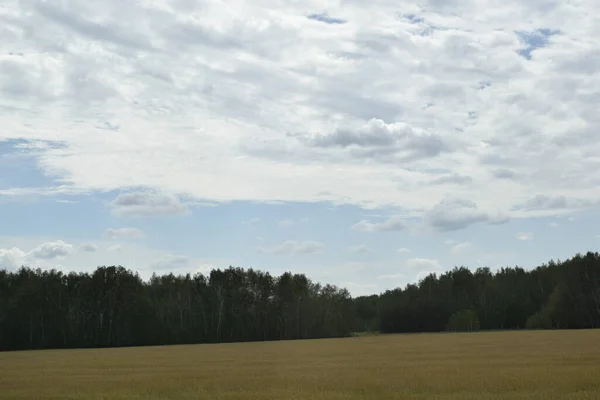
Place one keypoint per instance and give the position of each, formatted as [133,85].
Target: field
[496,365]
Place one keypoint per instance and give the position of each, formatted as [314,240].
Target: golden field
[492,365]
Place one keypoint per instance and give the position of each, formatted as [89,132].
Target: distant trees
[114,307]
[463,321]
[559,295]
[366,314]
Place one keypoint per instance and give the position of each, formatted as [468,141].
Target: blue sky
[362,145]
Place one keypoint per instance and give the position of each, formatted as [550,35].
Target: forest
[114,307]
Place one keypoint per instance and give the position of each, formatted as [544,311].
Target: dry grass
[509,365]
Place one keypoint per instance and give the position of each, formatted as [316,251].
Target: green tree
[463,321]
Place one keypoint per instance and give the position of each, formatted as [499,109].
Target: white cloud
[51,250]
[391,225]
[524,236]
[455,214]
[294,247]
[545,202]
[147,204]
[12,259]
[394,142]
[462,248]
[125,233]
[16,251]
[89,247]
[15,257]
[403,250]
[225,104]
[558,202]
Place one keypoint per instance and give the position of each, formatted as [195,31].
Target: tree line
[556,295]
[113,306]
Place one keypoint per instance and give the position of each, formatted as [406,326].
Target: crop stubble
[489,365]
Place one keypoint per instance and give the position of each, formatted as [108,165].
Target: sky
[364,144]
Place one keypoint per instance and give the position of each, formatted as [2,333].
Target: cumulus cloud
[456,214]
[123,233]
[558,202]
[294,247]
[228,105]
[87,247]
[378,139]
[391,225]
[147,204]
[50,250]
[546,202]
[18,251]
[12,259]
[15,257]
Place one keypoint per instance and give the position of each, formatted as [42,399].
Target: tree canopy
[555,295]
[113,306]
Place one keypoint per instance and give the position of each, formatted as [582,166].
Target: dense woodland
[115,307]
[558,295]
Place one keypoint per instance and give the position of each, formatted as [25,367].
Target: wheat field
[493,365]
